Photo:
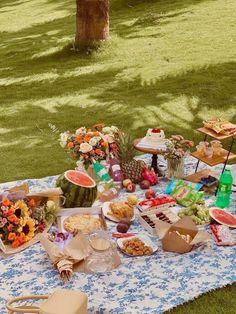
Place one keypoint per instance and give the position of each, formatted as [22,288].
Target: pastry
[82,223]
[121,210]
[136,247]
[220,126]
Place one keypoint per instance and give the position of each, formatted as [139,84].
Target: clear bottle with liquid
[108,191]
[115,170]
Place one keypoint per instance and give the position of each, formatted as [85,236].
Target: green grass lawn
[168,63]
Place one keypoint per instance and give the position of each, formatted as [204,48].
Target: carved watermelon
[223,217]
[78,187]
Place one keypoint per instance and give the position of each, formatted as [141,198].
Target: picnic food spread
[174,215]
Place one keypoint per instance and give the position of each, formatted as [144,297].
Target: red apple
[145,184]
[150,194]
[130,187]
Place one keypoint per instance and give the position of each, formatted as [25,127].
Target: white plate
[143,238]
[106,209]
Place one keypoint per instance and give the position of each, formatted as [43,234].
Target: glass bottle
[115,170]
[101,171]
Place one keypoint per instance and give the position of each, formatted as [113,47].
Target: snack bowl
[144,238]
[107,213]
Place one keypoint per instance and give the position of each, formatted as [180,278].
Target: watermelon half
[223,217]
[78,187]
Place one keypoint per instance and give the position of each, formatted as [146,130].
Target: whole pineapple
[132,169]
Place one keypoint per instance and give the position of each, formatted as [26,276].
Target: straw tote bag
[60,302]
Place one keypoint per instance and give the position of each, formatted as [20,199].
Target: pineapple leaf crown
[125,148]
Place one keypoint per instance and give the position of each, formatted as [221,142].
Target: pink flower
[3,221]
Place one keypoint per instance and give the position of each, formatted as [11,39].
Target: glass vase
[175,168]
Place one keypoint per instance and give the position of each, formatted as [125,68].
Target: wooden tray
[214,160]
[214,134]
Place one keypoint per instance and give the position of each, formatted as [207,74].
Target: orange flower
[79,138]
[6,202]
[10,228]
[98,125]
[87,138]
[98,151]
[11,236]
[73,156]
[104,144]
[15,244]
[70,145]
[85,156]
[21,238]
[91,152]
[14,219]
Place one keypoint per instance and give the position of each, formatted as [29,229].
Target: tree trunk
[92,21]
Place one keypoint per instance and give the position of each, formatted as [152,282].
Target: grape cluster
[198,213]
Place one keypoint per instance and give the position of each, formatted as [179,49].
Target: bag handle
[24,308]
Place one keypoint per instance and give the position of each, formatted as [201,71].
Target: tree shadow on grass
[198,91]
[176,103]
[149,13]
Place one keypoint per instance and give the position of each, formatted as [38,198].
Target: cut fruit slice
[78,187]
[223,217]
[80,178]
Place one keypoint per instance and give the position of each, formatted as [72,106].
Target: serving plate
[106,212]
[147,240]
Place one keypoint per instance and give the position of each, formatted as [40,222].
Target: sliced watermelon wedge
[223,217]
[80,178]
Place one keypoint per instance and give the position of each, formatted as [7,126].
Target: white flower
[106,130]
[97,138]
[110,138]
[81,131]
[80,165]
[63,138]
[114,129]
[93,141]
[51,204]
[85,148]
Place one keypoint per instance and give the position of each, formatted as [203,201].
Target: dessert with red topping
[155,135]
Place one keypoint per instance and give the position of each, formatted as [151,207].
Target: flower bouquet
[86,145]
[176,149]
[21,220]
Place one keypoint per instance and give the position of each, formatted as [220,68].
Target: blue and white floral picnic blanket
[141,285]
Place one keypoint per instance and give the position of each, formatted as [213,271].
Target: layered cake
[155,136]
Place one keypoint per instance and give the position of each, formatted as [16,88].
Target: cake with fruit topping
[155,136]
